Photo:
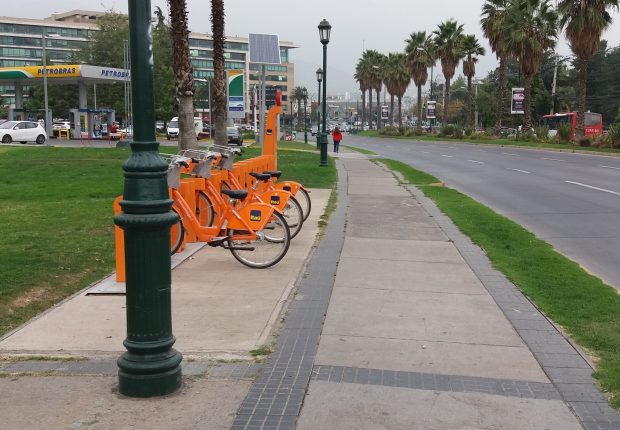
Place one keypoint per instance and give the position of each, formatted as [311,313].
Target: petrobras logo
[59,71]
[108,73]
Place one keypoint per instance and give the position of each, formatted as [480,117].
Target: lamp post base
[323,150]
[149,375]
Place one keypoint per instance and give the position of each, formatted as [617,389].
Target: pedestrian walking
[337,137]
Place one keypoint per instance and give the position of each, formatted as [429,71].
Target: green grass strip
[586,308]
[360,150]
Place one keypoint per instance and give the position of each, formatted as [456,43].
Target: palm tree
[359,77]
[376,72]
[531,29]
[493,27]
[448,40]
[219,92]
[397,80]
[299,94]
[183,73]
[420,52]
[366,71]
[470,47]
[583,22]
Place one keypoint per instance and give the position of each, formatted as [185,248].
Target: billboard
[430,109]
[517,101]
[384,112]
[236,103]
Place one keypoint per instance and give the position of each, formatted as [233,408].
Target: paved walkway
[397,322]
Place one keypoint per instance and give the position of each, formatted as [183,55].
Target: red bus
[593,122]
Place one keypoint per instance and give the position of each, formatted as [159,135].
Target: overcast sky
[356,24]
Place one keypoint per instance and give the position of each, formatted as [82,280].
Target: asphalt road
[570,200]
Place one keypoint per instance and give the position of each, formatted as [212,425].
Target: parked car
[59,125]
[172,131]
[160,127]
[22,131]
[234,136]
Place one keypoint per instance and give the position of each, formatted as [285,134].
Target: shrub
[447,130]
[614,135]
[565,132]
[585,142]
[542,133]
[469,131]
[602,141]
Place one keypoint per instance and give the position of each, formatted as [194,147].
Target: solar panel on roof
[264,48]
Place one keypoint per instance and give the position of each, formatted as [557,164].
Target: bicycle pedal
[218,241]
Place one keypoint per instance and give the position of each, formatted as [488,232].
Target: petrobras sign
[105,73]
[235,87]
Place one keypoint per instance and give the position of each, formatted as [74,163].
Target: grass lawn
[582,304]
[485,141]
[56,235]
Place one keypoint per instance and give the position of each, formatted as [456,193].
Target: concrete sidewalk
[397,322]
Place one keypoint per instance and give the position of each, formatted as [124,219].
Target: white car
[22,131]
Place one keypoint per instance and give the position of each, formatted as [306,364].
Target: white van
[172,131]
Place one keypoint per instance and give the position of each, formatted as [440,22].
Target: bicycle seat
[260,176]
[273,173]
[236,194]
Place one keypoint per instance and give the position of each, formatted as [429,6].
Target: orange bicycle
[256,234]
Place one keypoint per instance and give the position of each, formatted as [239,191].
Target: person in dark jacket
[337,137]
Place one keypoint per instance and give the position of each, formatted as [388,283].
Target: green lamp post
[305,116]
[150,367]
[319,78]
[324,33]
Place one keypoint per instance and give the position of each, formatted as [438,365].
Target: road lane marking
[478,150]
[519,170]
[477,162]
[593,188]
[448,156]
[609,167]
[425,152]
[513,155]
[553,159]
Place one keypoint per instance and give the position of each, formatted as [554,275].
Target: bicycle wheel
[262,252]
[294,216]
[177,232]
[204,209]
[303,198]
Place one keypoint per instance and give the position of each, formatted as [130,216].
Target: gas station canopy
[62,74]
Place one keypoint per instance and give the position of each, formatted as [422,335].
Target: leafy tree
[470,47]
[219,90]
[448,38]
[163,72]
[421,55]
[493,23]
[397,80]
[583,22]
[531,29]
[183,74]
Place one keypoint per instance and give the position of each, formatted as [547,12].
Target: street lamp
[324,32]
[44,37]
[319,78]
[305,94]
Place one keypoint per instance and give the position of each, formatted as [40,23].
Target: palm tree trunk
[581,97]
[184,74]
[378,109]
[400,111]
[219,93]
[499,108]
[419,107]
[446,99]
[363,108]
[392,109]
[370,112]
[470,110]
[298,113]
[527,104]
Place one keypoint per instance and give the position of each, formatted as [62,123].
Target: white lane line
[448,156]
[513,155]
[593,188]
[478,150]
[425,152]
[609,167]
[519,170]
[477,162]
[553,159]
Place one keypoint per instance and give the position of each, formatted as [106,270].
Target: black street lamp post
[319,78]
[324,32]
[150,367]
[305,117]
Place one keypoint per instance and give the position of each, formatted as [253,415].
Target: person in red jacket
[337,137]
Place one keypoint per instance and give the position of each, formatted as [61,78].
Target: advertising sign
[517,104]
[384,112]
[236,104]
[430,109]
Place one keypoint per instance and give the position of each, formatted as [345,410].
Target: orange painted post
[119,244]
